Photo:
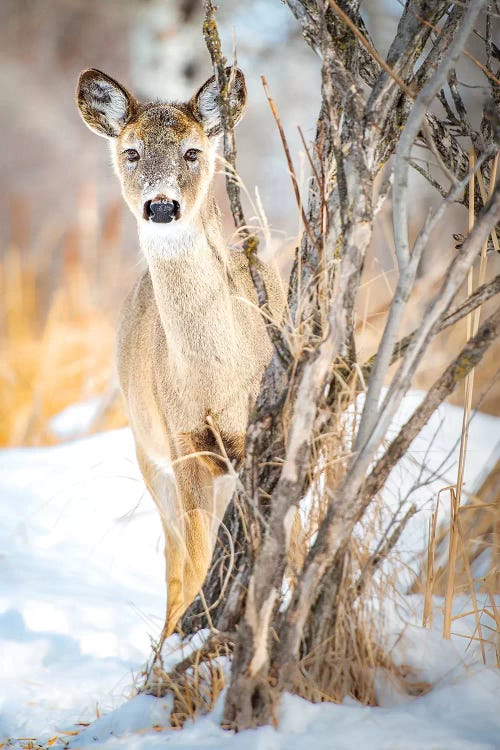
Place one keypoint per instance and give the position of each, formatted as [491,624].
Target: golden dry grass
[473,529]
[195,690]
[57,313]
[477,534]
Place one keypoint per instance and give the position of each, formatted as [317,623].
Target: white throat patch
[172,240]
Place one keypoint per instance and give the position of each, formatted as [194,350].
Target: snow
[432,721]
[82,595]
[77,419]
[82,581]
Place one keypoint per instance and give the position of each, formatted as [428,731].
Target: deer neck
[190,276]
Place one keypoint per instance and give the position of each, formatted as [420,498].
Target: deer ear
[104,104]
[205,103]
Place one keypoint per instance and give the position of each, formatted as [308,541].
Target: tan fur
[192,345]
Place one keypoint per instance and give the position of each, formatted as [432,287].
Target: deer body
[192,344]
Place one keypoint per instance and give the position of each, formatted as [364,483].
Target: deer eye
[191,154]
[132,154]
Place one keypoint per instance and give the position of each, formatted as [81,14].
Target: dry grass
[473,528]
[347,662]
[477,540]
[352,653]
[58,308]
[195,683]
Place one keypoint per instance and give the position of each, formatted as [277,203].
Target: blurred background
[68,249]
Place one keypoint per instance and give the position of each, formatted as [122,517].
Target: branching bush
[276,595]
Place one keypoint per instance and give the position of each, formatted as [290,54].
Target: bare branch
[219,62]
[482,294]
[465,362]
[385,354]
[487,72]
[288,159]
[413,126]
[251,242]
[454,278]
[408,263]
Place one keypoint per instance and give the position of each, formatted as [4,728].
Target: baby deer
[192,345]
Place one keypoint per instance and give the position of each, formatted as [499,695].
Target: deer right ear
[206,103]
[104,104]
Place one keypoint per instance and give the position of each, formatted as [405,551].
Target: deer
[192,343]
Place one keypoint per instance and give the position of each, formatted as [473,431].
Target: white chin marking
[167,239]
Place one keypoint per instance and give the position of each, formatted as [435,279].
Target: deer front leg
[204,489]
[191,510]
[162,488]
[184,529]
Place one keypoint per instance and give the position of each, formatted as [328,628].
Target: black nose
[161,210]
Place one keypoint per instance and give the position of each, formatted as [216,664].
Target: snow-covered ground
[82,594]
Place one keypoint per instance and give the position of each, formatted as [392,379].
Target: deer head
[163,153]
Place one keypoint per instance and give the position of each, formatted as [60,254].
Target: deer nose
[162,210]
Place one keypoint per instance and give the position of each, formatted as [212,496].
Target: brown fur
[192,343]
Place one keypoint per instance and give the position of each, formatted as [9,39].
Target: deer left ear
[105,105]
[206,103]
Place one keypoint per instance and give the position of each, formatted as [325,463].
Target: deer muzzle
[161,210]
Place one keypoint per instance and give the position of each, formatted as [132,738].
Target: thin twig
[291,168]
[435,151]
[482,294]
[430,572]
[212,40]
[387,544]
